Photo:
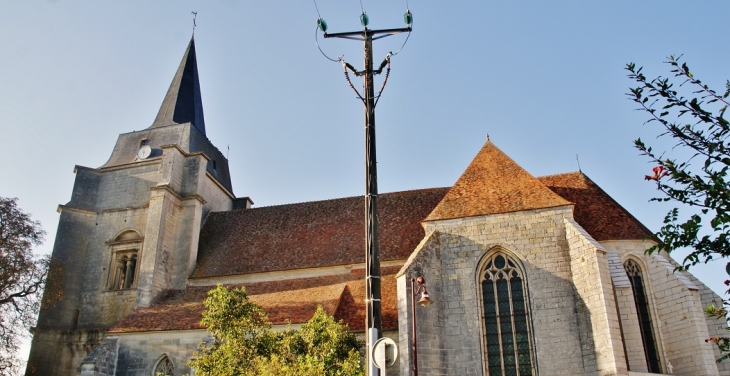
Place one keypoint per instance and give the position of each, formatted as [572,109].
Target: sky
[545,80]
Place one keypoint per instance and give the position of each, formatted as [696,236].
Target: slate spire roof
[183,103]
[492,184]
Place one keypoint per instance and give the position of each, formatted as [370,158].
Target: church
[529,275]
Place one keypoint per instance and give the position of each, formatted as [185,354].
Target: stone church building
[529,275]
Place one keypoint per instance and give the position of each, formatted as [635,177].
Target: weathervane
[373,307]
[195,15]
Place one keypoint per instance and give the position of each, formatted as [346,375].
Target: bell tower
[130,231]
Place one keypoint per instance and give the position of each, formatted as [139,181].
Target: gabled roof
[599,214]
[310,234]
[296,300]
[183,103]
[493,184]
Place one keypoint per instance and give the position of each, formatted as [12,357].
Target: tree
[245,344]
[697,124]
[22,278]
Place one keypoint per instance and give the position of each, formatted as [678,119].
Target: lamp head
[425,301]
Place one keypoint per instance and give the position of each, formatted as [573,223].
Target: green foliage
[245,344]
[22,278]
[697,124]
[723,343]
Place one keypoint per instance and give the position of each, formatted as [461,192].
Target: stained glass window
[506,327]
[633,270]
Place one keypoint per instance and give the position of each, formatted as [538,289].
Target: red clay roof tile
[294,300]
[492,184]
[600,215]
[311,234]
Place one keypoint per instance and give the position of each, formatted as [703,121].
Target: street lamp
[425,301]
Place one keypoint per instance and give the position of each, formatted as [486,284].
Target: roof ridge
[340,198]
[561,173]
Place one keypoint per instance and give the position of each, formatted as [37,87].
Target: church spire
[183,103]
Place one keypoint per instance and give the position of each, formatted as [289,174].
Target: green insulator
[322,25]
[408,18]
[364,19]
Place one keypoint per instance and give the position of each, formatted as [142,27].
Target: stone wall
[102,361]
[140,352]
[677,311]
[449,259]
[596,303]
[628,315]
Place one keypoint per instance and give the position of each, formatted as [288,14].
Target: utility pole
[373,307]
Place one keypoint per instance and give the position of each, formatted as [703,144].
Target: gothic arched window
[641,300]
[164,367]
[507,335]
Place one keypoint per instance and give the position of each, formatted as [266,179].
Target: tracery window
[507,336]
[641,300]
[164,367]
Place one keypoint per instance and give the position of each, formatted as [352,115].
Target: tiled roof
[492,184]
[296,300]
[595,210]
[311,234]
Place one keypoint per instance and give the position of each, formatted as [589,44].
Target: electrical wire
[404,42]
[361,8]
[316,40]
[317,8]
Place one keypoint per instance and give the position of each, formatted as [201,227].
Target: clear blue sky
[544,79]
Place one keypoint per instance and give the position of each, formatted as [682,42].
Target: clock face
[144,152]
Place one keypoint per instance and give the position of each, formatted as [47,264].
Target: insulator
[322,24]
[408,18]
[364,19]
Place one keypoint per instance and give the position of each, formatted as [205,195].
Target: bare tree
[22,278]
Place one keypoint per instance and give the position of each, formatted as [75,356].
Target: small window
[123,273]
[641,300]
[144,142]
[214,166]
[164,367]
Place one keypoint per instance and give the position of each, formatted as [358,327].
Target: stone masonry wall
[451,328]
[432,320]
[102,361]
[99,306]
[127,187]
[715,327]
[216,198]
[681,327]
[629,316]
[140,352]
[596,306]
[160,234]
